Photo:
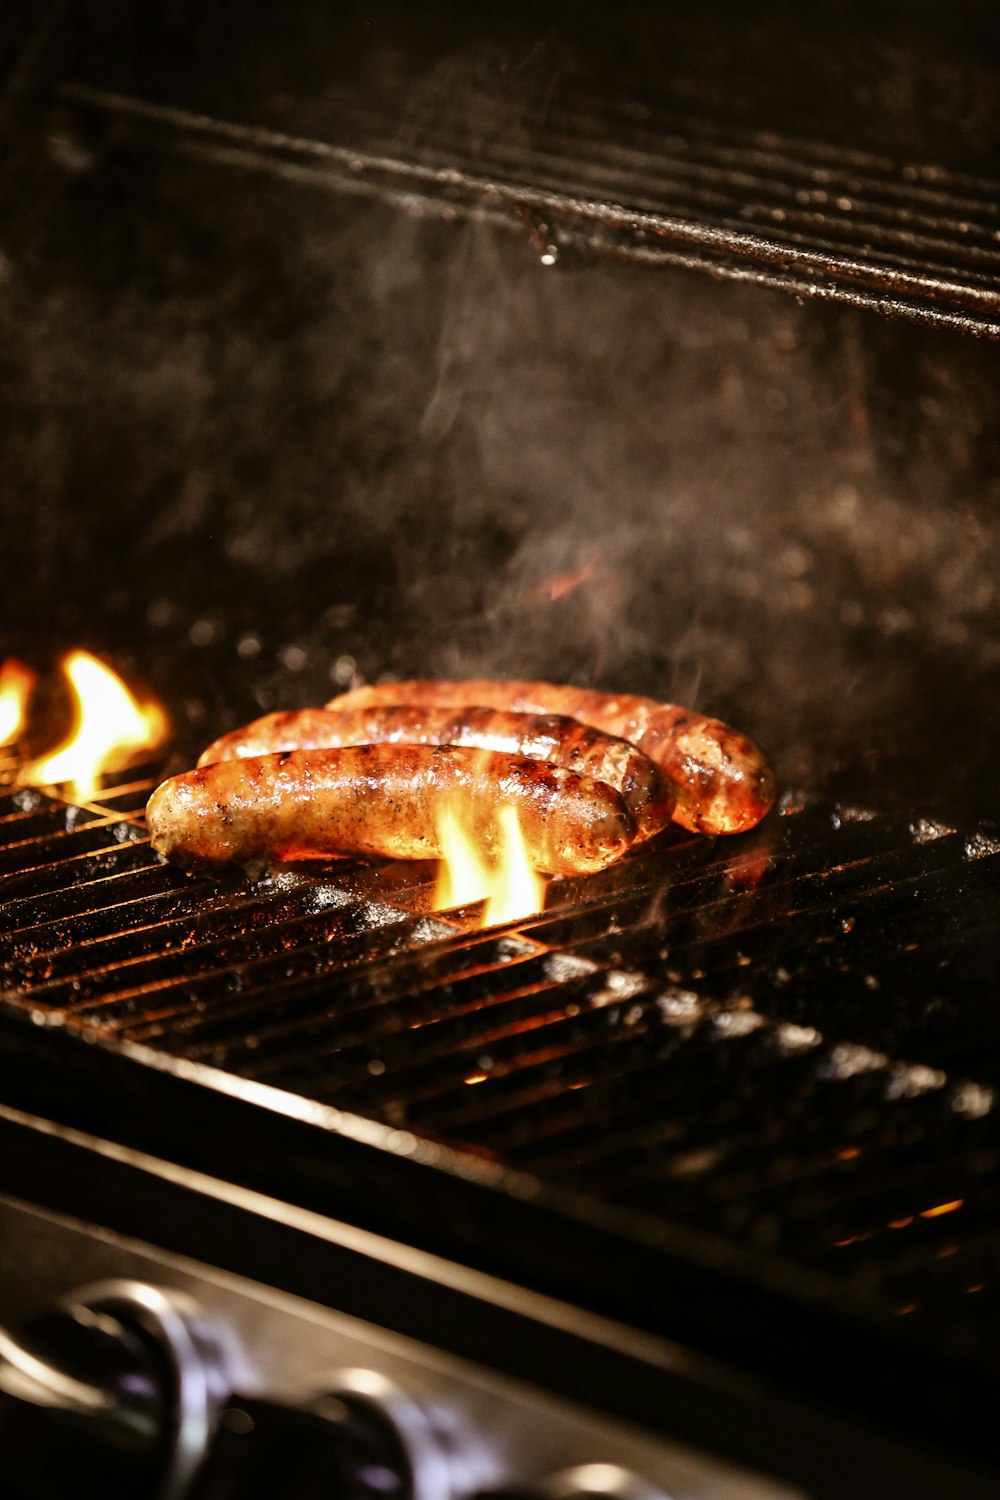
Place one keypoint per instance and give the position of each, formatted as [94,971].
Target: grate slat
[907,239]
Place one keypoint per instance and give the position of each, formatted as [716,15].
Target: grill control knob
[362,1441]
[322,1450]
[110,1393]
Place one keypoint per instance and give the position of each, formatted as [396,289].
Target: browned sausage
[384,799]
[722,781]
[552,737]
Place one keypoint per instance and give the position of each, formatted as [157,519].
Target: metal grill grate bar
[635,946]
[914,241]
[112,856]
[796,198]
[757,1038]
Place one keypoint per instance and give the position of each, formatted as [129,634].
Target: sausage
[552,737]
[384,799]
[722,782]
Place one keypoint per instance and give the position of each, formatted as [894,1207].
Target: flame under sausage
[554,738]
[722,782]
[386,800]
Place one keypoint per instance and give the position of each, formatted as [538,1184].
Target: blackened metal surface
[643,137]
[781,1046]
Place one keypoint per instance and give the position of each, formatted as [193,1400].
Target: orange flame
[109,727]
[16,682]
[518,890]
[511,887]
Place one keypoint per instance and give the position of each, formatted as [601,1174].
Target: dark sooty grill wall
[290,395]
[260,432]
[279,411]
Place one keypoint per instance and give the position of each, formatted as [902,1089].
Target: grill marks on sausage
[385,800]
[721,780]
[553,738]
[372,772]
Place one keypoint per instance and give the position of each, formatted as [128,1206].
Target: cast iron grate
[585,173]
[791,1039]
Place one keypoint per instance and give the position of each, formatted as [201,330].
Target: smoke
[256,432]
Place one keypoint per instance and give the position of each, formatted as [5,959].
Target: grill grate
[790,1039]
[585,173]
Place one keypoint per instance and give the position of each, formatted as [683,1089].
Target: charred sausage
[384,799]
[551,737]
[722,781]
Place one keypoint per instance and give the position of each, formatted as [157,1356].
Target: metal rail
[902,239]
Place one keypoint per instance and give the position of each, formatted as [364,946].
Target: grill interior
[786,1041]
[315,433]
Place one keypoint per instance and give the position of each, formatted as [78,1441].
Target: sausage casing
[722,782]
[386,800]
[555,738]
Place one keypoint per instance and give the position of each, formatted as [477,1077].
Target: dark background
[261,438]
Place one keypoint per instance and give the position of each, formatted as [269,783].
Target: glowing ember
[109,727]
[942,1208]
[565,583]
[16,682]
[511,887]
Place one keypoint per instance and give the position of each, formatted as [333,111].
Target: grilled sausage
[552,737]
[384,799]
[722,781]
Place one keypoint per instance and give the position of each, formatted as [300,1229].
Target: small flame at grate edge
[109,728]
[16,684]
